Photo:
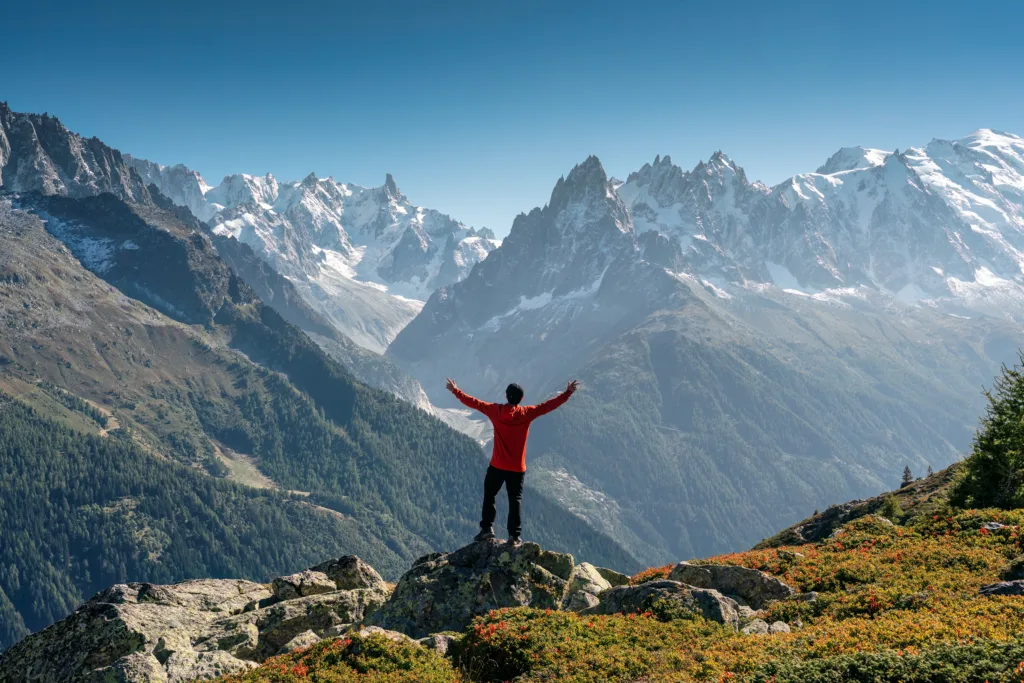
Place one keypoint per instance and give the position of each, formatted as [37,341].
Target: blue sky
[478,107]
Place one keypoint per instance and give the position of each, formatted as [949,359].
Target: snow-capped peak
[242,188]
[853,158]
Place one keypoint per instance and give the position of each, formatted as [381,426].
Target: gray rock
[138,666]
[756,627]
[304,639]
[779,627]
[756,588]
[183,668]
[1004,588]
[444,592]
[584,580]
[993,526]
[809,596]
[581,601]
[279,623]
[441,643]
[193,630]
[613,577]
[707,602]
[746,612]
[349,573]
[394,636]
[303,584]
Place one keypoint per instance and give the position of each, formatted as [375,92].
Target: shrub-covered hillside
[894,603]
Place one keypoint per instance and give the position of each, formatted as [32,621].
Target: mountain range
[748,353]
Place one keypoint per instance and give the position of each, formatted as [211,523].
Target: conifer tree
[908,477]
[993,475]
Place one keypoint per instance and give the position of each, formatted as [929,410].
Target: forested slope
[218,385]
[81,512]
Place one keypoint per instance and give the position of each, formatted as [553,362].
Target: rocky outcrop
[655,594]
[753,587]
[195,629]
[445,591]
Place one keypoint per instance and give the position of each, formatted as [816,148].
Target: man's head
[514,394]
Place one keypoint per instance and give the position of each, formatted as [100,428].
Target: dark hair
[514,394]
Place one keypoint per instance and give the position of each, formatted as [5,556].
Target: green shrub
[985,661]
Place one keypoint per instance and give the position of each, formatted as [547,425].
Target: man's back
[511,426]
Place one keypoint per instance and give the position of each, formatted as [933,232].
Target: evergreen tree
[993,475]
[908,477]
[930,471]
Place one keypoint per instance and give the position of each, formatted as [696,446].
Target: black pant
[513,482]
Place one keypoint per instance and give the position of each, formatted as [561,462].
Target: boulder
[194,630]
[581,601]
[993,526]
[756,588]
[394,636]
[756,627]
[585,584]
[1004,588]
[613,577]
[709,603]
[350,573]
[445,591]
[303,640]
[779,627]
[443,644]
[303,584]
[585,577]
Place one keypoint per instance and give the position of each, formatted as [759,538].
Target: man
[508,459]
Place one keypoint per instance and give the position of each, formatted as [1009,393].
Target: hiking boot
[484,535]
[515,541]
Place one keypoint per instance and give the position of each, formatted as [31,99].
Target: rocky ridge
[198,630]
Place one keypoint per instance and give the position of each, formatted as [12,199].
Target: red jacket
[511,427]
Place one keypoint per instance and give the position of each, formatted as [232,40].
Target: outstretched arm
[552,403]
[469,401]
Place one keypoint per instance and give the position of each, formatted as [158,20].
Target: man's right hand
[450,386]
[573,386]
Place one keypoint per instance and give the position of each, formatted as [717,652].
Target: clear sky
[477,107]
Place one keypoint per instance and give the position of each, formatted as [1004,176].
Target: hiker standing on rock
[508,460]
